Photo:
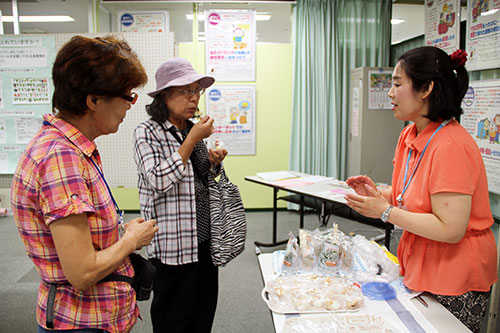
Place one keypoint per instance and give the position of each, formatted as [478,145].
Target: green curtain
[314,86]
[331,37]
[398,50]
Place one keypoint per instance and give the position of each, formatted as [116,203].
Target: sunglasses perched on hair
[132,98]
[191,92]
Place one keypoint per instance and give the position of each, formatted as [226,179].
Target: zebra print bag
[228,226]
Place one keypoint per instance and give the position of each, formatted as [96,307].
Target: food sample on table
[312,293]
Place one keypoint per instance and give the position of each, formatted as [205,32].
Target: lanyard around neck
[406,184]
[118,210]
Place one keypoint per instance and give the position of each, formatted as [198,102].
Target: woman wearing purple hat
[173,166]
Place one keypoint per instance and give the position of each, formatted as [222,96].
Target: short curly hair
[102,66]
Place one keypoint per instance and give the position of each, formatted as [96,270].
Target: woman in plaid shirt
[64,211]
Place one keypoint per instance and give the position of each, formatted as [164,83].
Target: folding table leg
[302,212]
[275,224]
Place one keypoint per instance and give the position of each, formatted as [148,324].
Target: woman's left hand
[372,205]
[216,156]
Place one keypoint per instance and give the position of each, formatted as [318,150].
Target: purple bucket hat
[178,72]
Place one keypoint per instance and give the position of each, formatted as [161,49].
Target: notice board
[26,92]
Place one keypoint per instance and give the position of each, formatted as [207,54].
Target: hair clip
[459,57]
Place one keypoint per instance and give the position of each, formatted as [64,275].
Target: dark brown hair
[158,108]
[427,64]
[98,66]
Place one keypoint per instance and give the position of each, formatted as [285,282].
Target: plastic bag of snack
[291,260]
[331,253]
[310,247]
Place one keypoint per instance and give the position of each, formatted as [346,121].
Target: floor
[240,307]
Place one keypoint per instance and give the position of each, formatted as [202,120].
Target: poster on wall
[143,21]
[1,95]
[233,110]
[355,111]
[380,84]
[483,34]
[442,24]
[481,119]
[25,92]
[230,44]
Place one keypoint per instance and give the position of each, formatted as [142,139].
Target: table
[434,318]
[314,190]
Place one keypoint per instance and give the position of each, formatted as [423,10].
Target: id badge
[400,205]
[399,200]
[121,228]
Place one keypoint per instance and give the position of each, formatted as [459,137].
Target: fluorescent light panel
[396,21]
[40,18]
[258,17]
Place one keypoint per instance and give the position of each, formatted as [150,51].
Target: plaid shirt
[166,193]
[54,179]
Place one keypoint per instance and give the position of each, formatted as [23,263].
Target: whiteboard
[117,149]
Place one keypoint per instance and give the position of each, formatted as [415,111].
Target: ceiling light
[33,31]
[258,17]
[200,17]
[41,18]
[489,12]
[263,17]
[396,21]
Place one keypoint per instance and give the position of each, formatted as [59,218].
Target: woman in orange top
[439,192]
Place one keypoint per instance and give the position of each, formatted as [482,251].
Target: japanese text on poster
[379,86]
[483,34]
[442,24]
[25,91]
[233,110]
[481,119]
[144,21]
[355,112]
[29,90]
[230,44]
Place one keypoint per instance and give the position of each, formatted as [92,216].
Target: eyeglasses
[132,98]
[191,92]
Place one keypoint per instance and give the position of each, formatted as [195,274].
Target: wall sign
[143,21]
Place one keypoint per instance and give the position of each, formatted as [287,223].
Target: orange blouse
[451,163]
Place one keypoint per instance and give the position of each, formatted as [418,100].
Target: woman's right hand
[202,129]
[358,184]
[83,264]
[141,231]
